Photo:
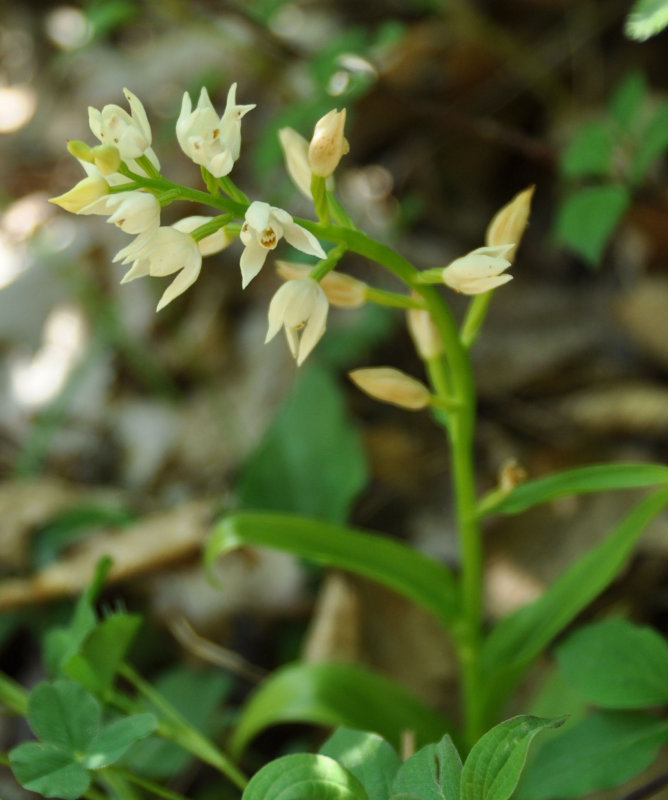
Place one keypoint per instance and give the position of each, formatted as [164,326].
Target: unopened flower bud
[106,158]
[295,154]
[392,386]
[80,150]
[328,143]
[424,333]
[341,290]
[479,271]
[83,194]
[508,224]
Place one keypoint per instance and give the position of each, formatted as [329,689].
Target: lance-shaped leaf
[408,572]
[337,694]
[304,776]
[582,480]
[521,636]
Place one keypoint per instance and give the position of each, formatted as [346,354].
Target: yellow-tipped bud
[328,143]
[424,333]
[83,194]
[106,158]
[392,386]
[508,224]
[80,150]
[341,290]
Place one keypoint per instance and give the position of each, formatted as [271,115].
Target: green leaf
[311,461]
[582,480]
[615,664]
[589,152]
[628,99]
[495,763]
[602,751]
[116,737]
[49,770]
[64,714]
[303,776]
[647,18]
[523,635]
[653,142]
[61,644]
[391,563]
[367,756]
[102,652]
[433,773]
[588,217]
[337,694]
[196,695]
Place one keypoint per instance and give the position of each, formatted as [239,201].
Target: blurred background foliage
[129,431]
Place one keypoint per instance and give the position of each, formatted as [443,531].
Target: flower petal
[184,280]
[258,214]
[252,260]
[314,329]
[303,240]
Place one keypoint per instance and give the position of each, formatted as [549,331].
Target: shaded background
[134,430]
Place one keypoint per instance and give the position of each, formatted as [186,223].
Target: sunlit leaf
[582,480]
[647,18]
[385,560]
[367,756]
[304,776]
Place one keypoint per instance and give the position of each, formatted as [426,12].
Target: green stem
[329,263]
[230,188]
[475,316]
[459,385]
[179,730]
[320,199]
[210,227]
[145,163]
[147,784]
[13,695]
[338,212]
[384,298]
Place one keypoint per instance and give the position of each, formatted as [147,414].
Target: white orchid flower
[163,252]
[212,142]
[301,307]
[479,271]
[265,225]
[130,133]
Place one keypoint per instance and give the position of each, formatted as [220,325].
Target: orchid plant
[124,182]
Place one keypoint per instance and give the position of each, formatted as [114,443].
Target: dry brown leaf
[159,539]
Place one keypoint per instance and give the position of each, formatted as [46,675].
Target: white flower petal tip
[81,197]
[134,211]
[263,228]
[130,133]
[392,386]
[300,307]
[509,223]
[211,141]
[479,271]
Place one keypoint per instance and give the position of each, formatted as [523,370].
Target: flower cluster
[123,182]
